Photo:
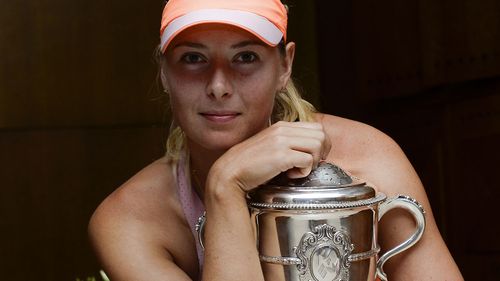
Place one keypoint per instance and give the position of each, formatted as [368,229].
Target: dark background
[80,112]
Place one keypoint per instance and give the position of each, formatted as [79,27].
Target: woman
[238,122]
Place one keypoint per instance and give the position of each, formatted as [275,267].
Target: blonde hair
[289,106]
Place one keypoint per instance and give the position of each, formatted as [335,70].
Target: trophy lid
[326,184]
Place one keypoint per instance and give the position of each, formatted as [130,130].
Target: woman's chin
[220,145]
[215,143]
[220,140]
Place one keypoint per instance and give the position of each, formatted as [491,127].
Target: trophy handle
[412,206]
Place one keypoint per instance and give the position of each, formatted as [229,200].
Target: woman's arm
[230,245]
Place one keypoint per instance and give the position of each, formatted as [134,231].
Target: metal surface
[317,229]
[325,185]
[317,245]
[326,174]
[319,205]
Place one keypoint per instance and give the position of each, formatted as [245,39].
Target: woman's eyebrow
[190,44]
[247,43]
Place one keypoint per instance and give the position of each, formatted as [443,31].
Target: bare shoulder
[351,132]
[144,197]
[142,223]
[372,155]
[356,144]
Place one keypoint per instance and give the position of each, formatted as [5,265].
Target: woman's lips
[220,117]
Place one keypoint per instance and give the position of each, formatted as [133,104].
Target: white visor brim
[255,24]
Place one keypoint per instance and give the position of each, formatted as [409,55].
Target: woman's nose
[219,85]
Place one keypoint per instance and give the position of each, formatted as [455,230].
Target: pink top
[191,204]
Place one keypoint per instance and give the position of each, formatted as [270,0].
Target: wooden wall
[80,112]
[427,73]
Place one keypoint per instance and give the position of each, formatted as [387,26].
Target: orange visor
[266,19]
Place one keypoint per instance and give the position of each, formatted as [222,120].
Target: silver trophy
[324,227]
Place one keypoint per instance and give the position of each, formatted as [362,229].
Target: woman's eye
[246,57]
[192,58]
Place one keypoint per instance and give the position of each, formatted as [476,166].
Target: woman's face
[222,82]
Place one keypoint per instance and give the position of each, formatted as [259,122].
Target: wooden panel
[68,63]
[51,183]
[460,40]
[474,194]
[386,48]
[481,267]
[472,188]
[336,61]
[403,48]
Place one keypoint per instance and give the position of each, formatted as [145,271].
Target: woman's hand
[294,147]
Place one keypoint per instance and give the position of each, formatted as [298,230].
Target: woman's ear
[163,78]
[287,63]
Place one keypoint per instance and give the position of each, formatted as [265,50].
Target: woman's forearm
[230,246]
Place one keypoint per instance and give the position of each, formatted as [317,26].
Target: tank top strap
[190,201]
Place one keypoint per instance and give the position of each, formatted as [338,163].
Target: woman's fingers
[292,147]
[306,130]
[310,146]
[300,146]
[302,165]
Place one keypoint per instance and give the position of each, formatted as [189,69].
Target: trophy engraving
[324,254]
[325,263]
